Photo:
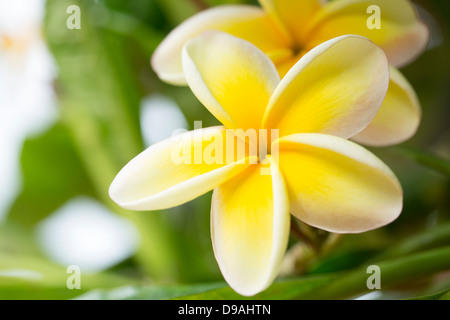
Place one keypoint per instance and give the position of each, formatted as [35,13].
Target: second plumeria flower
[317,175]
[287,29]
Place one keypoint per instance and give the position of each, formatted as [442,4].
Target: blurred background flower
[27,100]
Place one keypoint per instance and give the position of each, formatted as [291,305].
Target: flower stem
[332,241]
[298,233]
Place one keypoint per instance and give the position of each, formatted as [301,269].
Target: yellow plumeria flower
[324,180]
[286,29]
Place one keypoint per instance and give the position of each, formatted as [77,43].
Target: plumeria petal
[250,228]
[286,65]
[293,16]
[247,22]
[336,185]
[402,35]
[177,170]
[337,88]
[398,118]
[231,77]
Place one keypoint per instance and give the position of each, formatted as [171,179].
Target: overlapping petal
[178,170]
[402,35]
[293,16]
[337,88]
[336,185]
[398,118]
[231,77]
[247,22]
[250,228]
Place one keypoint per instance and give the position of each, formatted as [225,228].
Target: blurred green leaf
[347,284]
[176,11]
[31,277]
[443,295]
[393,272]
[342,261]
[220,291]
[100,93]
[340,285]
[53,173]
[14,239]
[432,238]
[284,290]
[354,252]
[26,274]
[156,292]
[427,159]
[96,79]
[126,25]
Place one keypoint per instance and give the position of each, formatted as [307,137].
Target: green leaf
[100,92]
[176,11]
[156,292]
[349,257]
[26,274]
[348,284]
[130,26]
[96,79]
[425,158]
[432,238]
[53,173]
[342,261]
[443,295]
[342,285]
[31,277]
[213,291]
[15,239]
[282,290]
[394,271]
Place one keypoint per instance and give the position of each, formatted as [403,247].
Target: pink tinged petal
[399,116]
[402,34]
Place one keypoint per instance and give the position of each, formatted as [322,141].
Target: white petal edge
[281,231]
[169,51]
[304,62]
[180,193]
[357,153]
[377,138]
[200,88]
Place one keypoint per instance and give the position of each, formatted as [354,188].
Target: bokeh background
[77,105]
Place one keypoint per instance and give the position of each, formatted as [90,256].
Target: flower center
[259,142]
[297,49]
